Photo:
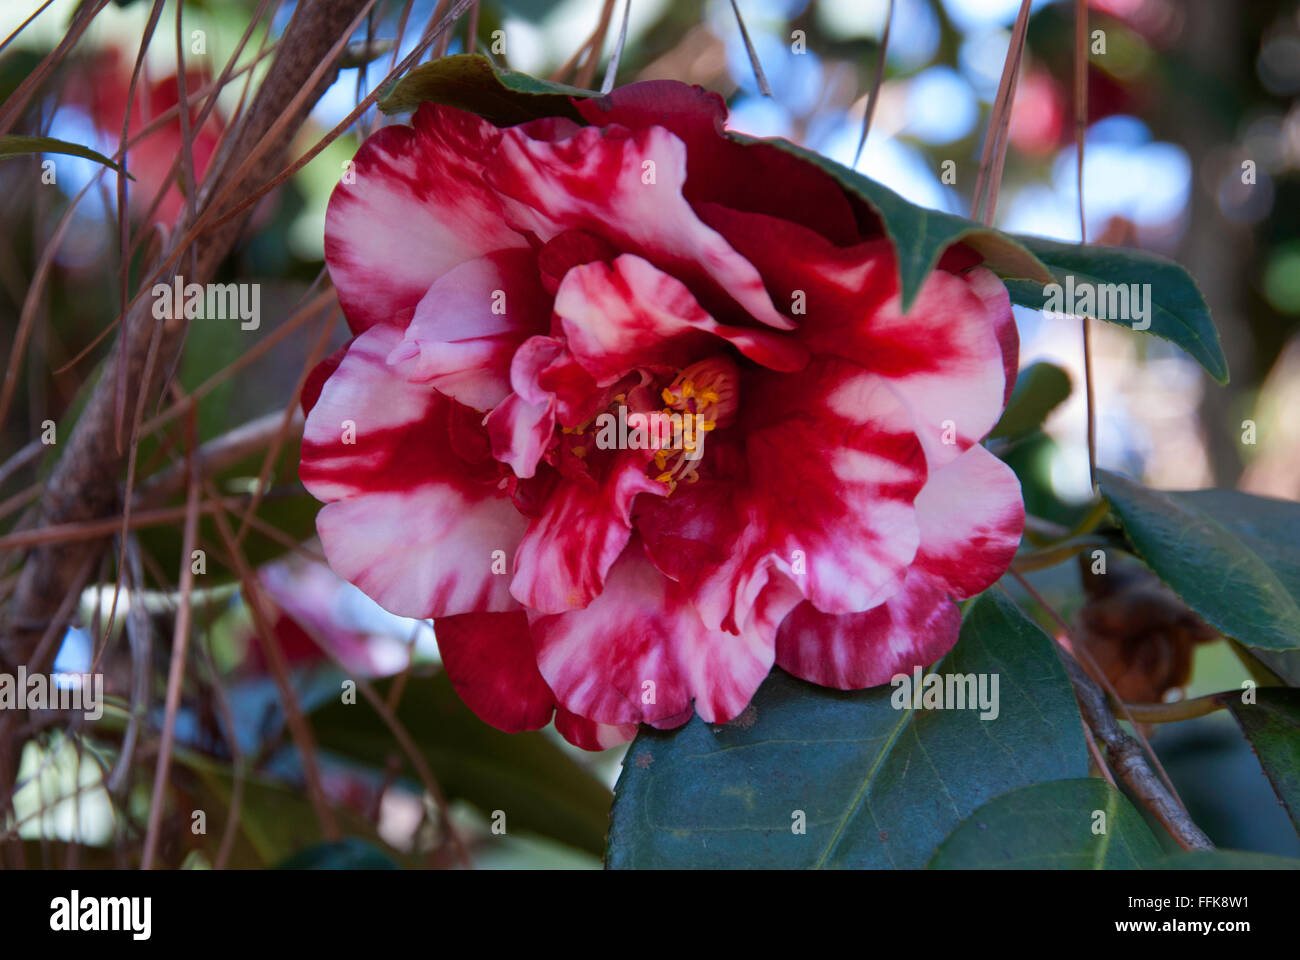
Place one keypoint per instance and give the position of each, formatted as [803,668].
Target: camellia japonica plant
[656,422]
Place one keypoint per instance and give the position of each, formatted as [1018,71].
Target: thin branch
[176,671]
[23,26]
[1075,650]
[611,71]
[587,72]
[876,83]
[1178,710]
[299,728]
[1127,758]
[1080,131]
[218,454]
[994,152]
[759,76]
[84,483]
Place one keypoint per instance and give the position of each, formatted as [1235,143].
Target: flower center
[705,395]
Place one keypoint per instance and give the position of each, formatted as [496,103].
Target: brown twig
[994,152]
[176,670]
[1128,760]
[1128,757]
[876,83]
[83,485]
[1080,130]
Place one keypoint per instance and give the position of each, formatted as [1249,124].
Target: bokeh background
[1185,93]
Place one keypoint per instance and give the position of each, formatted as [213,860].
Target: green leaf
[920,236]
[1049,826]
[1284,663]
[12,145]
[470,82]
[1224,860]
[1272,725]
[1178,311]
[1040,388]
[879,786]
[350,853]
[1232,557]
[541,789]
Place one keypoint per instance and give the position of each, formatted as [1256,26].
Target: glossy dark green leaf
[1285,664]
[1232,557]
[540,788]
[1272,725]
[470,82]
[877,786]
[1178,312]
[12,145]
[350,853]
[1040,389]
[1067,825]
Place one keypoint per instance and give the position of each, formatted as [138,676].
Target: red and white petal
[971,516]
[997,301]
[625,186]
[406,519]
[832,469]
[722,170]
[490,661]
[520,432]
[467,327]
[412,206]
[427,551]
[641,653]
[563,558]
[368,428]
[852,651]
[590,735]
[628,314]
[946,358]
[945,361]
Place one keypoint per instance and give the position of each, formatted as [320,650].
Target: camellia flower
[512,290]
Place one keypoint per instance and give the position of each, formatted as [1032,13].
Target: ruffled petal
[721,170]
[628,314]
[490,661]
[824,497]
[948,359]
[852,651]
[412,206]
[590,735]
[520,432]
[625,187]
[641,653]
[466,329]
[971,516]
[406,519]
[565,554]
